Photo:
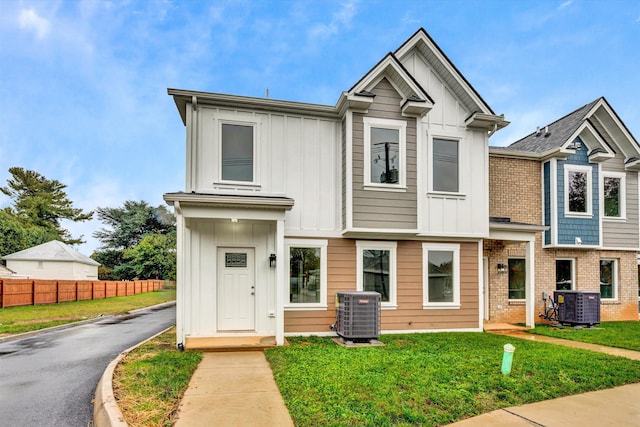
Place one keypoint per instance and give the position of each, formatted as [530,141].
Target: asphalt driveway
[50,379]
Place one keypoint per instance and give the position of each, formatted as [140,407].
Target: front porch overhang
[229,206]
[191,208]
[516,233]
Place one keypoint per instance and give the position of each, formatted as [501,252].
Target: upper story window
[384,153]
[377,270]
[577,193]
[237,152]
[445,166]
[613,191]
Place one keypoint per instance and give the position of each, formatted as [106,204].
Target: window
[384,145]
[40,264]
[578,198]
[307,273]
[613,189]
[377,270]
[237,152]
[441,275]
[608,278]
[445,165]
[517,278]
[564,274]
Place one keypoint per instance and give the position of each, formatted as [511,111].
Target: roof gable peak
[423,43]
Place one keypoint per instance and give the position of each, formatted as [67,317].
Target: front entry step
[493,327]
[248,343]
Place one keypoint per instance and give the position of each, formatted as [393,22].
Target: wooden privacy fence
[14,292]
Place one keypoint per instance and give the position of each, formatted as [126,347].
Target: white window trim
[255,127]
[525,282]
[459,193]
[392,247]
[455,248]
[614,289]
[589,202]
[573,271]
[623,192]
[308,243]
[399,125]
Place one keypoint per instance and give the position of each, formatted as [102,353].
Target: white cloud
[565,4]
[342,18]
[29,20]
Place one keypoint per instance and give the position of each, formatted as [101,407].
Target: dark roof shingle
[555,134]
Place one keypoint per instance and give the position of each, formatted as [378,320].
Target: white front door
[236,289]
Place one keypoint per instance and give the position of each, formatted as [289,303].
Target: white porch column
[180,273]
[530,284]
[281,289]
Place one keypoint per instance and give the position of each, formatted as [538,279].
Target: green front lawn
[431,379]
[612,334]
[16,320]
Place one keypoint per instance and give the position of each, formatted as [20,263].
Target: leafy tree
[12,234]
[154,257]
[109,260]
[139,243]
[40,203]
[130,224]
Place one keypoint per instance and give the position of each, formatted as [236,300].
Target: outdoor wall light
[272,260]
[502,268]
[234,220]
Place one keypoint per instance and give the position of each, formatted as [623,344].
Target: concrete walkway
[618,406]
[233,389]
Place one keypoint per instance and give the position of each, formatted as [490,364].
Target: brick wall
[515,192]
[514,189]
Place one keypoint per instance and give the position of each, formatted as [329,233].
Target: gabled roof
[429,49]
[416,101]
[556,134]
[390,65]
[597,125]
[51,251]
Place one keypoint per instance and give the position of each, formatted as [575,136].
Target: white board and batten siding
[296,156]
[205,237]
[464,214]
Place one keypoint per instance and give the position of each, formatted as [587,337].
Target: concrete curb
[72,324]
[106,412]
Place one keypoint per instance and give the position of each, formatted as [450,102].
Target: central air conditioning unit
[578,307]
[358,316]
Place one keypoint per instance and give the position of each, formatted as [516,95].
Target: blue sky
[83,84]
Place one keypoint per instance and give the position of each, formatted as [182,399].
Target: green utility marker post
[507,359]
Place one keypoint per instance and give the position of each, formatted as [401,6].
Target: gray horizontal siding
[622,234]
[384,209]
